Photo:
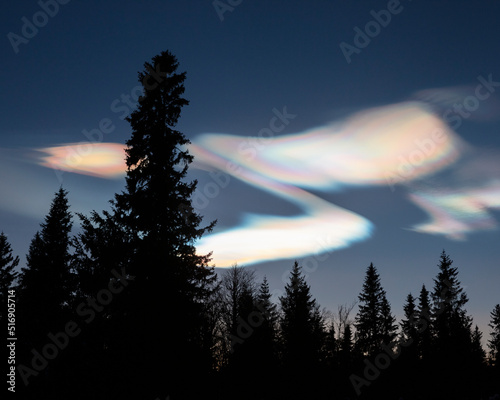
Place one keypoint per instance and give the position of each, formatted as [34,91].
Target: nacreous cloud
[104,160]
[401,144]
[382,146]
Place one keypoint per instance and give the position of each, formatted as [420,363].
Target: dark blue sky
[80,66]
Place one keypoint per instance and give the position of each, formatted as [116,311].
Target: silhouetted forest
[126,308]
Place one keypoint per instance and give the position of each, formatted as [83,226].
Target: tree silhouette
[478,355]
[452,325]
[46,285]
[409,327]
[425,335]
[266,331]
[156,212]
[238,292]
[388,321]
[46,289]
[8,274]
[374,321]
[346,348]
[101,247]
[301,323]
[494,342]
[331,350]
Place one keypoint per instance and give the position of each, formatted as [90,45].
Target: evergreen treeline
[126,309]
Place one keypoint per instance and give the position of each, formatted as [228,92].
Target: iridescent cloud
[460,204]
[397,143]
[322,227]
[406,144]
[104,160]
[456,213]
[385,145]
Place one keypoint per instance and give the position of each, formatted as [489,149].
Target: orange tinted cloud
[103,160]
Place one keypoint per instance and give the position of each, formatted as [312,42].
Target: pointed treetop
[8,263]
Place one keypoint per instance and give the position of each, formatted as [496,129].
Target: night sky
[336,133]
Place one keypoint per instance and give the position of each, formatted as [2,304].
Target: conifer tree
[494,342]
[374,321]
[268,308]
[409,326]
[424,327]
[8,274]
[101,247]
[45,292]
[478,354]
[47,285]
[388,321]
[266,331]
[331,350]
[346,348]
[301,323]
[452,325]
[156,212]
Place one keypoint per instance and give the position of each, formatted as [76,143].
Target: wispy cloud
[103,160]
[381,146]
[406,144]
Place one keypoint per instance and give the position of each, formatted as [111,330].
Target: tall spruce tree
[102,252]
[375,323]
[424,326]
[409,330]
[266,331]
[156,211]
[388,321]
[494,342]
[301,323]
[8,274]
[47,285]
[331,345]
[346,348]
[452,325]
[45,296]
[408,325]
[478,355]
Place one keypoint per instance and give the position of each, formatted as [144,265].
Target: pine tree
[331,350]
[267,307]
[47,285]
[266,331]
[494,342]
[155,211]
[8,274]
[259,354]
[409,327]
[301,323]
[424,325]
[452,325]
[346,348]
[478,354]
[102,250]
[374,321]
[45,295]
[101,247]
[388,321]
